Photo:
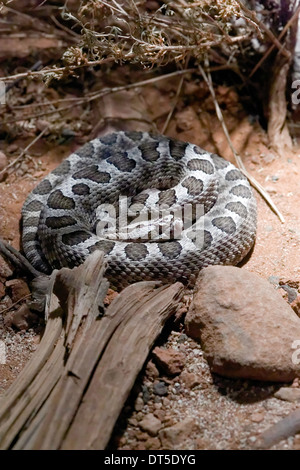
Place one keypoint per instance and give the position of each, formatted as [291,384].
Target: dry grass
[128,31]
[137,32]
[56,56]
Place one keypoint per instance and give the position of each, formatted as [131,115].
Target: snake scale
[76,209]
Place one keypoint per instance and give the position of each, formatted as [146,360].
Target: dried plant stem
[142,83]
[46,71]
[240,164]
[15,303]
[179,88]
[67,30]
[97,95]
[271,48]
[274,39]
[11,164]
[167,122]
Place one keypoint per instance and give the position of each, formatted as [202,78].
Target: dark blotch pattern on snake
[64,220]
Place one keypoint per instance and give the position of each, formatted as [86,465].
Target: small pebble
[150,424]
[257,417]
[292,293]
[146,393]
[139,404]
[274,280]
[160,389]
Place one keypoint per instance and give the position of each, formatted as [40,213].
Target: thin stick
[24,150]
[15,303]
[145,82]
[276,41]
[67,30]
[238,159]
[97,94]
[167,122]
[106,91]
[53,70]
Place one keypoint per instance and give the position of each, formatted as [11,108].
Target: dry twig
[277,43]
[97,94]
[11,164]
[238,159]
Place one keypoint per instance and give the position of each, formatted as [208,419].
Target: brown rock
[23,318]
[2,290]
[187,123]
[296,305]
[152,5]
[169,360]
[6,304]
[296,383]
[175,436]
[190,87]
[139,404]
[288,394]
[153,443]
[203,444]
[296,445]
[166,402]
[257,417]
[141,436]
[12,148]
[190,379]
[132,422]
[245,327]
[189,116]
[110,296]
[151,371]
[169,421]
[42,124]
[150,424]
[5,269]
[139,446]
[18,288]
[160,414]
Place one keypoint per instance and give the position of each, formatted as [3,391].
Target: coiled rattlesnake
[154,231]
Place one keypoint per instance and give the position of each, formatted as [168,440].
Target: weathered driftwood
[286,427]
[70,394]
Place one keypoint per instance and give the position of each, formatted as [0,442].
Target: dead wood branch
[71,393]
[278,132]
[288,426]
